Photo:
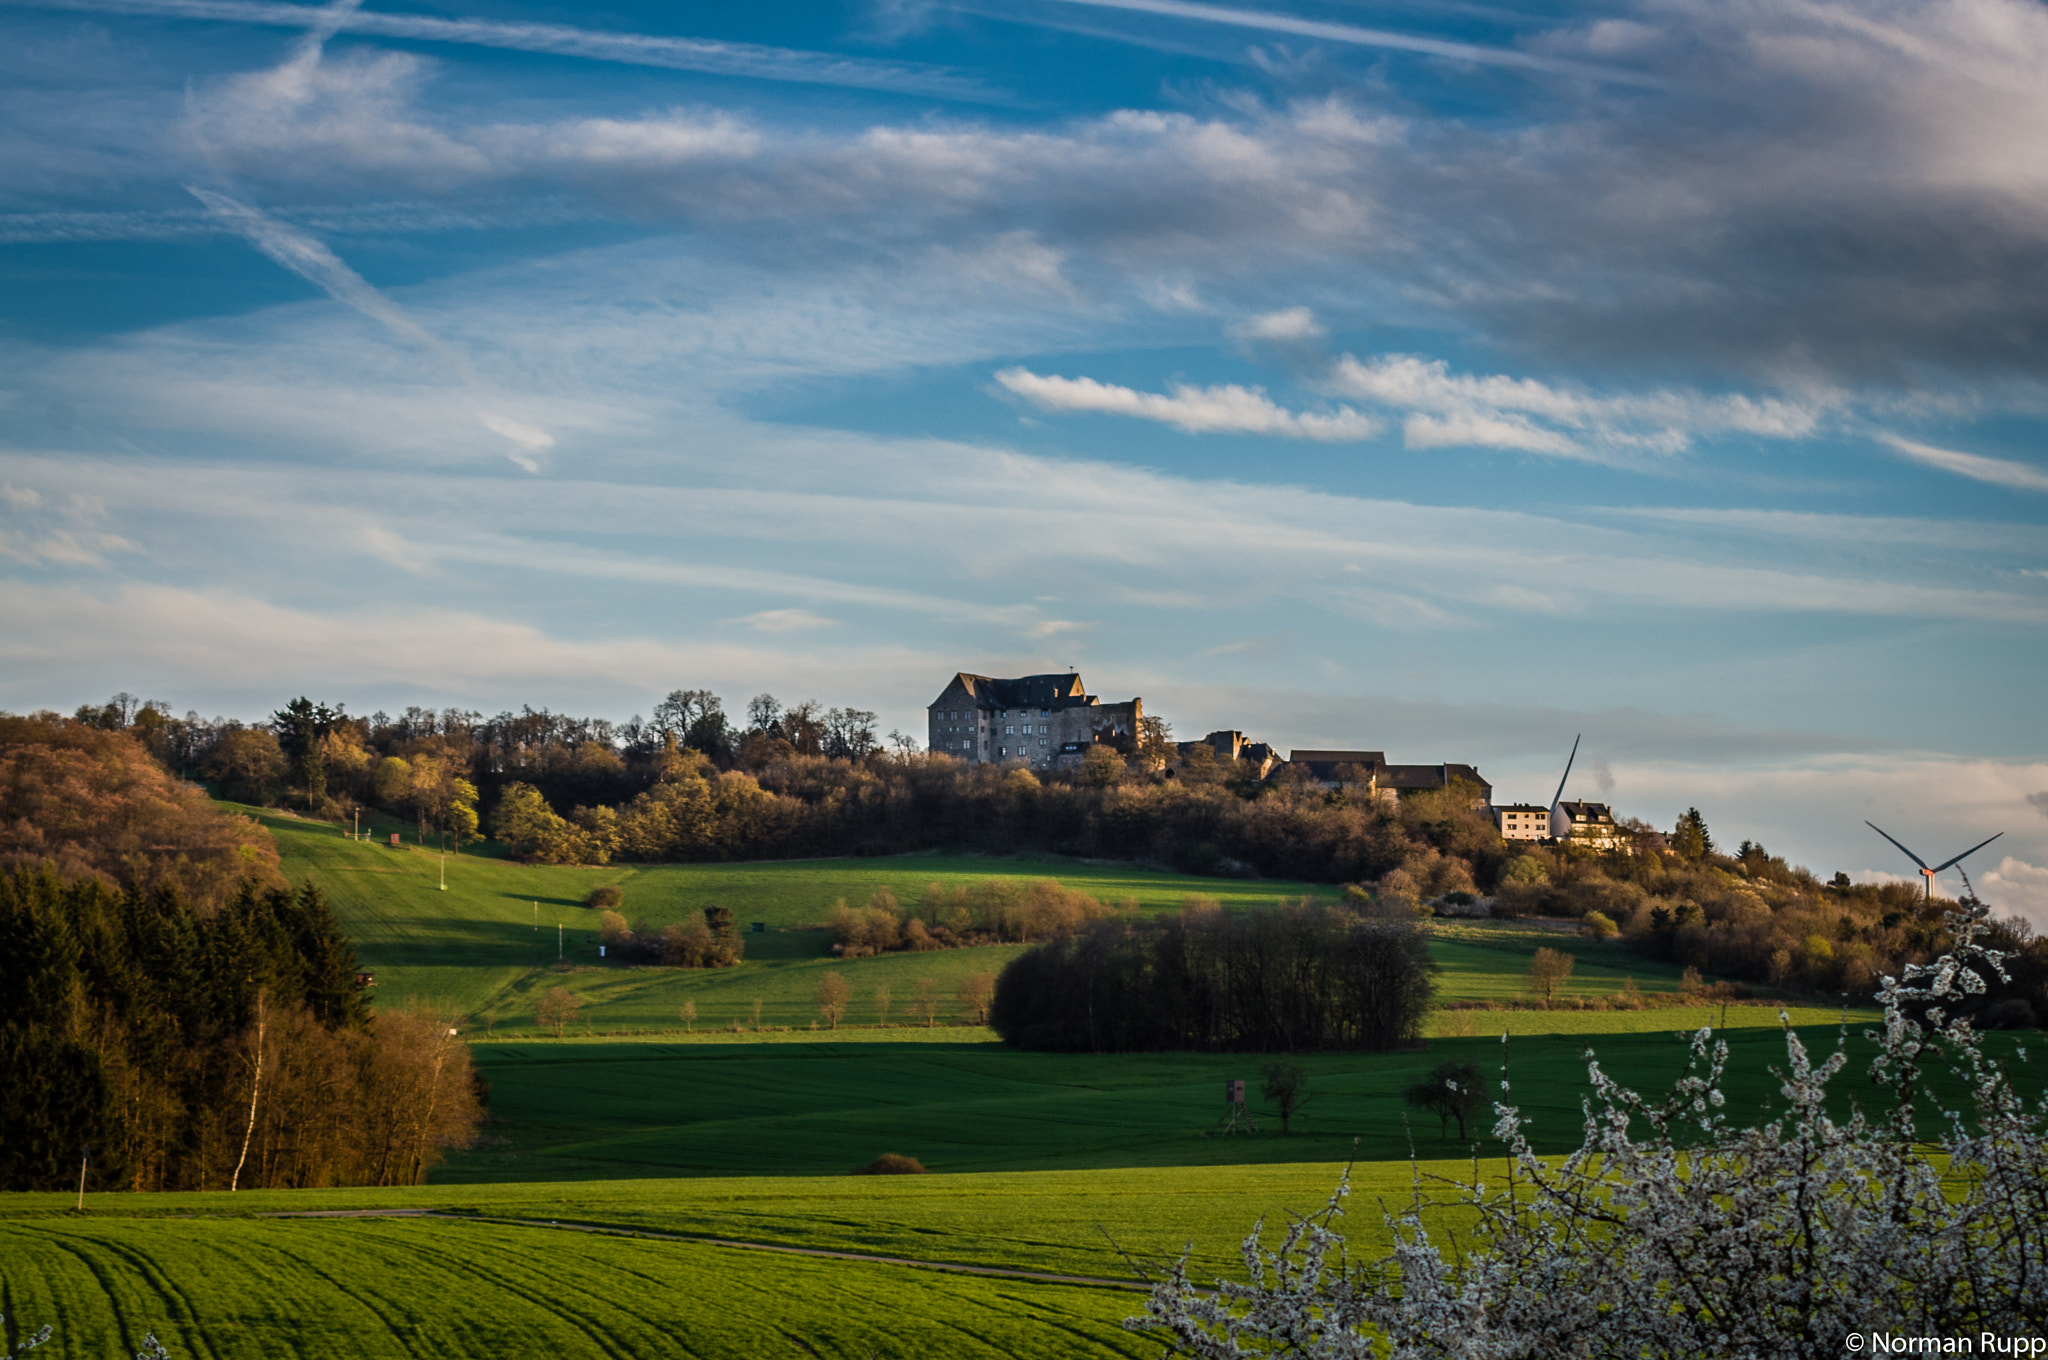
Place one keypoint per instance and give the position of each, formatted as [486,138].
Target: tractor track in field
[739,1244]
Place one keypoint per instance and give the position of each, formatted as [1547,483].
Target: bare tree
[833,993]
[688,1013]
[924,1000]
[754,1013]
[882,1004]
[1455,1090]
[1547,970]
[255,1087]
[975,995]
[557,1010]
[1286,1085]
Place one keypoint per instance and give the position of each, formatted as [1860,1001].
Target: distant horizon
[1667,783]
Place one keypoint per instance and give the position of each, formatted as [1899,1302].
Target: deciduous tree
[832,994]
[1286,1085]
[976,992]
[1454,1090]
[557,1009]
[1548,970]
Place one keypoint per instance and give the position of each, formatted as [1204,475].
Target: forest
[791,782]
[146,1044]
[172,1014]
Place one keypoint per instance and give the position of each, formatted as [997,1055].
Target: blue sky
[1446,379]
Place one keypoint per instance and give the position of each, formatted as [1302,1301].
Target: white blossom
[1669,1233]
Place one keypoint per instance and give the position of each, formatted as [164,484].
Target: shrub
[606,898]
[1597,926]
[892,1164]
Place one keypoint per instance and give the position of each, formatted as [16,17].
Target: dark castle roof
[1026,691]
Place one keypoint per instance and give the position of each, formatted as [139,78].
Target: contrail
[321,267]
[318,265]
[1367,37]
[711,57]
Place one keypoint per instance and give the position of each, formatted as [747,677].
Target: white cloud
[1289,324]
[1227,409]
[2018,887]
[221,642]
[1997,471]
[783,621]
[1497,411]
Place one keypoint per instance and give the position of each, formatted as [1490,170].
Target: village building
[1040,720]
[1586,824]
[1395,780]
[1522,821]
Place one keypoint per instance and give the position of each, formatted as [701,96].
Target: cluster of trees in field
[993,911]
[152,1044]
[1286,979]
[711,940]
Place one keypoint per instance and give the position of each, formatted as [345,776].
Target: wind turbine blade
[1909,854]
[1966,854]
[1567,770]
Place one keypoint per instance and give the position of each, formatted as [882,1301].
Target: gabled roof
[1592,812]
[1322,766]
[1025,691]
[1430,777]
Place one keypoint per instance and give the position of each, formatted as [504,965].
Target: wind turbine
[1927,873]
[1559,795]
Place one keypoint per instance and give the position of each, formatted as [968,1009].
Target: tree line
[1748,914]
[807,781]
[152,1044]
[993,911]
[1287,979]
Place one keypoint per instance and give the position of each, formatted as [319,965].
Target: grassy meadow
[632,1122]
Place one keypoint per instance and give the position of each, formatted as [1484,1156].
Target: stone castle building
[1042,720]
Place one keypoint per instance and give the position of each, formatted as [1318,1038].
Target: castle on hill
[1052,721]
[1044,721]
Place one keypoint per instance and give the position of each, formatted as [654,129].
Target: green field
[1043,1162]
[487,945]
[645,1108]
[406,1287]
[490,939]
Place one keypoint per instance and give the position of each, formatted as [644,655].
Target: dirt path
[956,1267]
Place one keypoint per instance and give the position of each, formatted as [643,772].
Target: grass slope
[487,944]
[489,940]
